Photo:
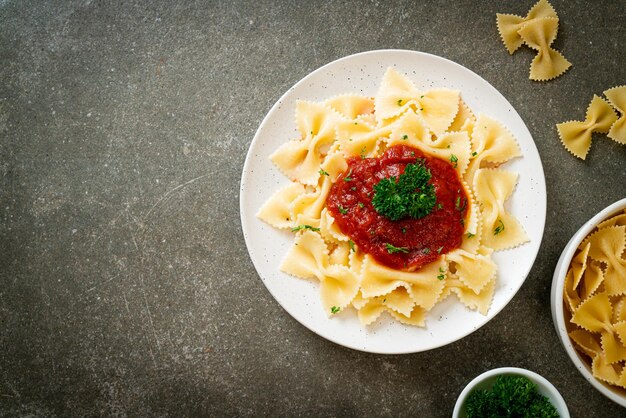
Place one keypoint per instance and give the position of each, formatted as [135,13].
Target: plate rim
[248,162]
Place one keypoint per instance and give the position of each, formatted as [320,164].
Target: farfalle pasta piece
[309,258]
[570,295]
[579,264]
[510,24]
[351,105]
[539,34]
[491,143]
[617,220]
[480,301]
[394,96]
[474,270]
[300,159]
[607,245]
[500,230]
[359,138]
[423,285]
[463,118]
[586,341]
[397,94]
[617,97]
[438,107]
[576,136]
[275,211]
[613,349]
[593,277]
[594,314]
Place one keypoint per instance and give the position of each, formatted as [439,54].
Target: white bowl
[558,315]
[487,379]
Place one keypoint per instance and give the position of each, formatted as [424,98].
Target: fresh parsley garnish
[360,204]
[439,249]
[323,172]
[351,244]
[347,177]
[470,235]
[392,249]
[454,160]
[334,309]
[499,228]
[405,137]
[342,210]
[474,154]
[442,274]
[411,195]
[426,251]
[399,102]
[299,227]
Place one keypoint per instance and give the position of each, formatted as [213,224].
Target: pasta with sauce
[402,264]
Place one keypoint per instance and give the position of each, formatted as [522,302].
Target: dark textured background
[125,284]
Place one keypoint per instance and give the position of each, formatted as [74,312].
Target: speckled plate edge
[361,73]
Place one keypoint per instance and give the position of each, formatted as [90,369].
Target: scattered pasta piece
[617,97]
[539,35]
[595,298]
[537,30]
[576,136]
[509,24]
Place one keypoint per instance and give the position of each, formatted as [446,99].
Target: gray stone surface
[125,283]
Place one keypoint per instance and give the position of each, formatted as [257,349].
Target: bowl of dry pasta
[589,301]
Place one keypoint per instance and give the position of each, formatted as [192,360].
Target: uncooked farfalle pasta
[538,31]
[600,118]
[396,201]
[595,297]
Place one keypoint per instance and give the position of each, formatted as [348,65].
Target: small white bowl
[558,315]
[487,379]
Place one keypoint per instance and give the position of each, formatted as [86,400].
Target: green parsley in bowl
[510,392]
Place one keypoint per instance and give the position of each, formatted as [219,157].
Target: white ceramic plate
[362,73]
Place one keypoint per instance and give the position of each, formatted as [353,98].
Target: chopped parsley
[470,235]
[405,137]
[499,228]
[439,249]
[353,188]
[426,250]
[511,396]
[360,204]
[411,195]
[300,227]
[334,309]
[454,160]
[342,210]
[351,244]
[442,274]
[403,230]
[474,154]
[347,177]
[323,172]
[399,102]
[392,249]
[363,150]
[439,206]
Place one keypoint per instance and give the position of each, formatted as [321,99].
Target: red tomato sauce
[425,239]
